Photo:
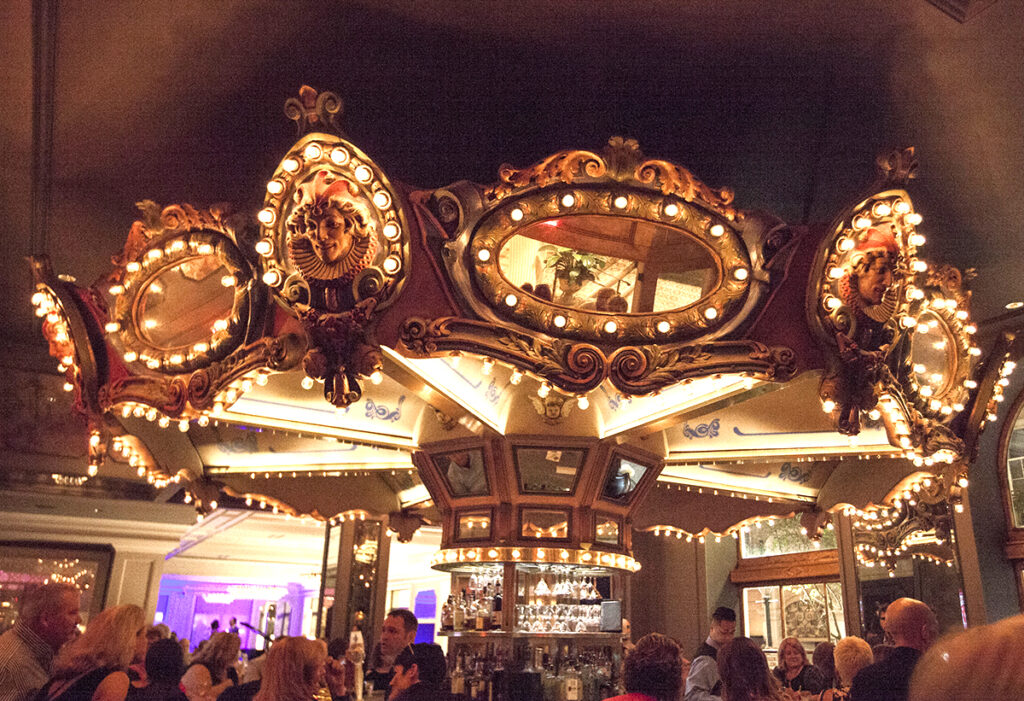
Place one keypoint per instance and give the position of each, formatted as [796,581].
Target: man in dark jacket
[913,628]
[703,682]
[419,674]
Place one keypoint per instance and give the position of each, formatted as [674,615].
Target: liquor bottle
[571,682]
[459,614]
[483,614]
[447,614]
[458,676]
[496,607]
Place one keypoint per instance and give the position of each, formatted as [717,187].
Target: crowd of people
[120,658]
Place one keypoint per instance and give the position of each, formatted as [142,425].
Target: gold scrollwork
[580,367]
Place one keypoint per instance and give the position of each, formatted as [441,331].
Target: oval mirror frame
[165,254]
[714,232]
[942,322]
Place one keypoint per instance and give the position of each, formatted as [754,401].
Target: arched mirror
[204,285]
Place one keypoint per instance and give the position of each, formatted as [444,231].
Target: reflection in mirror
[607,531]
[1015,466]
[782,537]
[545,523]
[464,472]
[548,470]
[623,478]
[609,264]
[928,571]
[933,354]
[813,613]
[474,525]
[180,305]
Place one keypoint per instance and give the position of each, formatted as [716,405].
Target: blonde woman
[210,670]
[92,667]
[794,671]
[852,654]
[296,668]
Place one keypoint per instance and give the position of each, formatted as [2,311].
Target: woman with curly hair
[92,667]
[744,672]
[211,669]
[653,669]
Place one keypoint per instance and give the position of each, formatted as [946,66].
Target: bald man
[913,628]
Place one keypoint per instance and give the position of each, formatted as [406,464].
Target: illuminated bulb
[846,244]
[92,470]
[883,209]
[112,327]
[492,553]
[228,281]
[218,408]
[151,415]
[908,322]
[620,202]
[861,223]
[155,254]
[272,277]
[901,206]
[741,273]
[914,219]
[962,482]
[152,363]
[483,255]
[970,384]
[391,231]
[610,326]
[540,554]
[671,209]
[711,313]
[264,247]
[275,187]
[971,328]
[266,216]
[832,303]
[141,471]
[312,152]
[307,382]
[559,321]
[828,406]
[38,298]
[917,240]
[488,366]
[220,325]
[544,390]
[116,289]
[68,387]
[919,368]
[919,266]
[517,377]
[511,300]
[974,350]
[516,554]
[717,230]
[376,377]
[516,214]
[381,199]
[568,200]
[582,402]
[392,265]
[201,347]
[291,165]
[835,272]
[455,358]
[262,380]
[363,174]
[339,156]
[663,326]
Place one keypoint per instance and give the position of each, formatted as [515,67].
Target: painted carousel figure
[331,238]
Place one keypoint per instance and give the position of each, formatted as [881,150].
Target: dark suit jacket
[887,680]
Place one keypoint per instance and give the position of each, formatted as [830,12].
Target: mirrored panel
[202,285]
[545,523]
[609,264]
[463,472]
[623,478]
[1015,466]
[473,525]
[811,612]
[933,354]
[548,470]
[607,530]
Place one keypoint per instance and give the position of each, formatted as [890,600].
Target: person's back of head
[975,664]
[852,654]
[164,662]
[109,640]
[429,660]
[823,658]
[744,672]
[292,668]
[911,623]
[654,667]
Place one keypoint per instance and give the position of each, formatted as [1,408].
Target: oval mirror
[933,355]
[609,264]
[203,285]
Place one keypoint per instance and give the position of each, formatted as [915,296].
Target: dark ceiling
[786,102]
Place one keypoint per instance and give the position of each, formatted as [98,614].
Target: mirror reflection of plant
[571,268]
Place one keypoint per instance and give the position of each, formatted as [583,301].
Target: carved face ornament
[868,284]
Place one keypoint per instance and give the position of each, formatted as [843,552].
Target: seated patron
[420,671]
[794,671]
[397,633]
[48,618]
[852,654]
[654,670]
[912,627]
[743,669]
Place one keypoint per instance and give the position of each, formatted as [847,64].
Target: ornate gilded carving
[554,407]
[313,111]
[334,246]
[896,168]
[920,525]
[580,367]
[862,290]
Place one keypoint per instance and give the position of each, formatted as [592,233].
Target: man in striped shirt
[48,619]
